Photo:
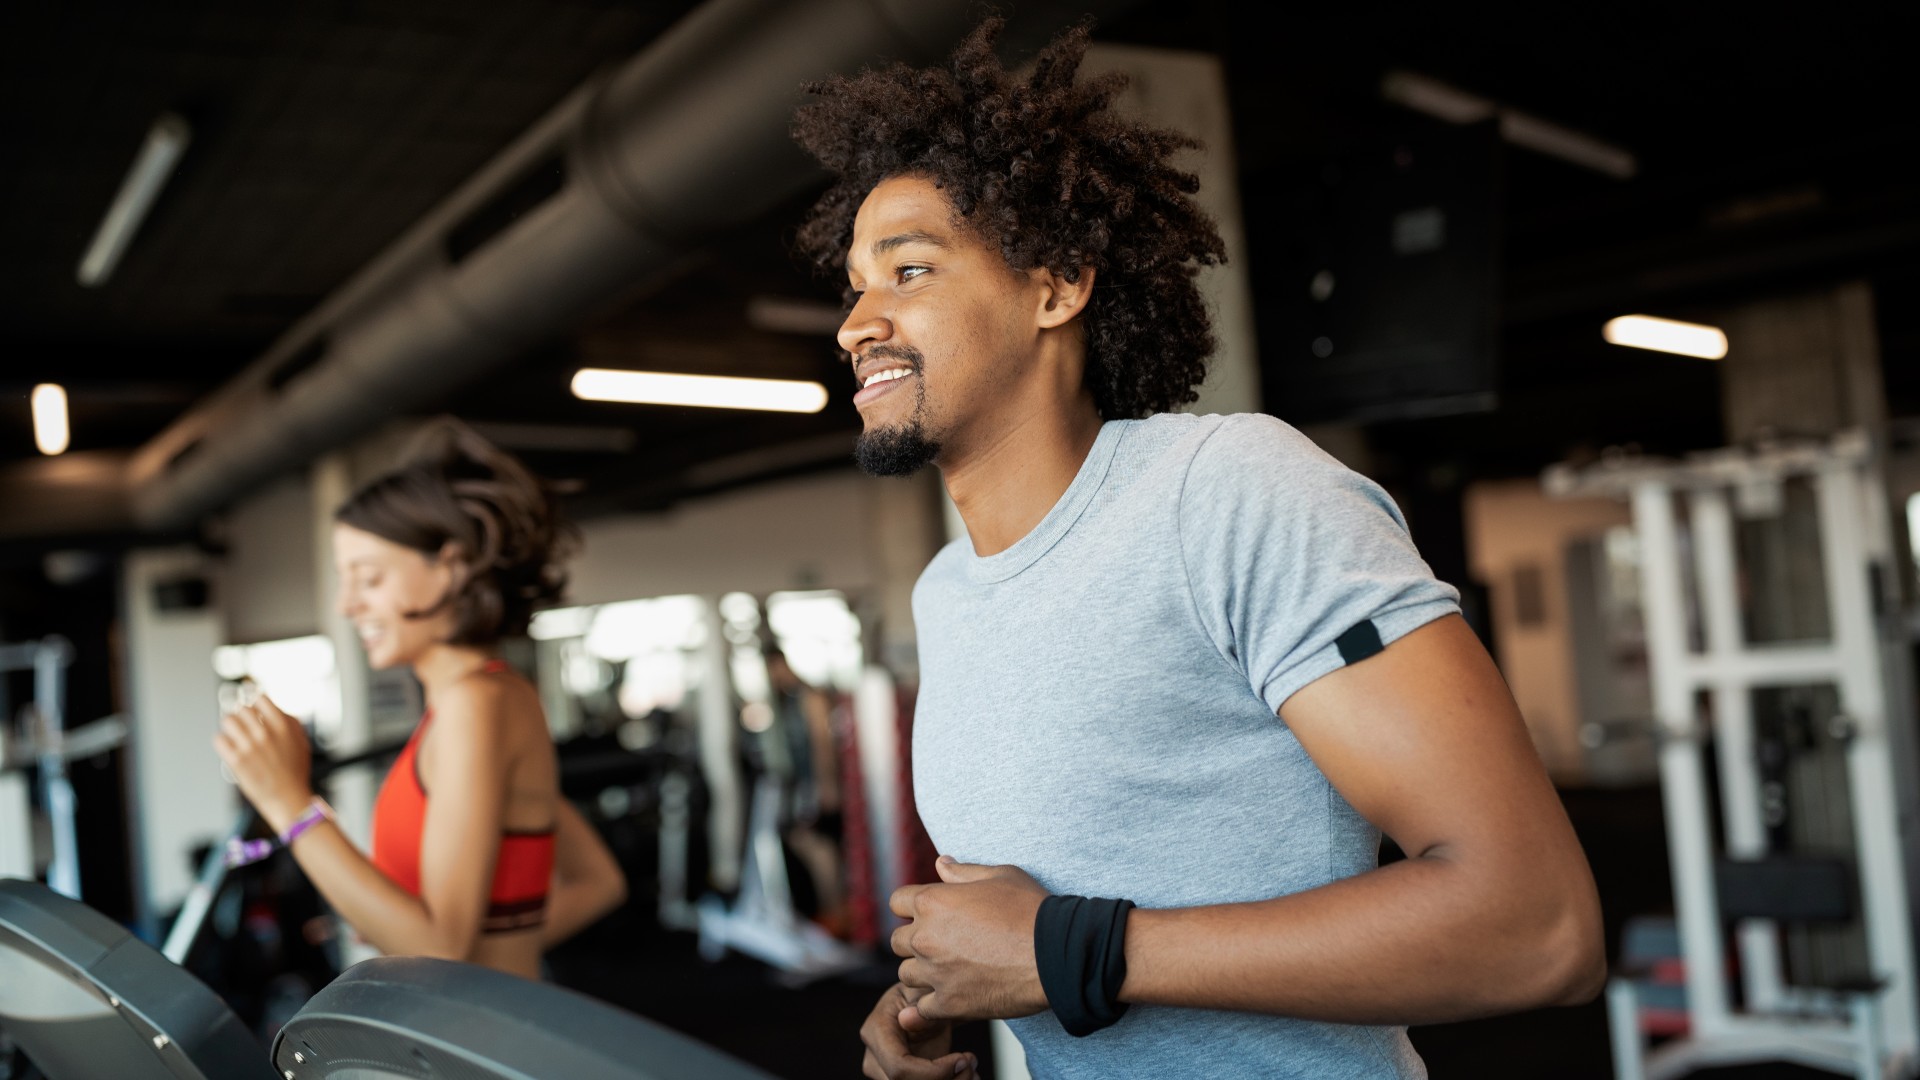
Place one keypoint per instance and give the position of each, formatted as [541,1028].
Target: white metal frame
[48,659]
[1871,1035]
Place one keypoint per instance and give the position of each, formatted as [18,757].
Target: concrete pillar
[1808,364]
[180,798]
[1187,92]
[1803,364]
[351,792]
[719,739]
[332,482]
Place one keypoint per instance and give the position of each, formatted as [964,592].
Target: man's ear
[1062,300]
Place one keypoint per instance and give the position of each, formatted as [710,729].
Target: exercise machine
[84,999]
[1779,661]
[407,1017]
[45,743]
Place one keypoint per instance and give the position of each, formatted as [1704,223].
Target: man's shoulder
[949,560]
[1232,450]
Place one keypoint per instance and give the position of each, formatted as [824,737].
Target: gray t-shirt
[1097,707]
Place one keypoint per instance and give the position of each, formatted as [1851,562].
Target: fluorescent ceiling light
[166,141]
[1436,99]
[1457,106]
[1667,335]
[704,391]
[50,419]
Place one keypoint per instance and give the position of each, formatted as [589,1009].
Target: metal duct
[687,139]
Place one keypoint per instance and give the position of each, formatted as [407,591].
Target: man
[1188,662]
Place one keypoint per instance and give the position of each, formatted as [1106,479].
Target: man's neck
[1006,486]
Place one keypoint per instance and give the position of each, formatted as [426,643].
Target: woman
[476,854]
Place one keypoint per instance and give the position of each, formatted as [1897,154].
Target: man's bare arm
[1494,908]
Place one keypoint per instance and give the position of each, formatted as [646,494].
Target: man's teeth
[885,376]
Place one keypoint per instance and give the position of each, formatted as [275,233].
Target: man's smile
[880,383]
[884,376]
[878,372]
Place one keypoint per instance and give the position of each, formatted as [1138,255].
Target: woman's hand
[268,754]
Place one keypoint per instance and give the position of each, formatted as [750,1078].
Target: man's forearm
[1418,941]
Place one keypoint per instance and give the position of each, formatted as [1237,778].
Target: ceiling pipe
[631,171]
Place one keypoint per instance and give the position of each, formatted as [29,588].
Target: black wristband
[1079,945]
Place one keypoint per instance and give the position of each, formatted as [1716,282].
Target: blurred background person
[803,721]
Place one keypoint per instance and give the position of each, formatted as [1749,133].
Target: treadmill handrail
[474,1021]
[192,1031]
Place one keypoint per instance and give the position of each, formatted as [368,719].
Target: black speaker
[1395,314]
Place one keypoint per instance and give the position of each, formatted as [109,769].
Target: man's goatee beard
[900,450]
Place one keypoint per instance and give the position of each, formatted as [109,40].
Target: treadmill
[411,1018]
[86,1000]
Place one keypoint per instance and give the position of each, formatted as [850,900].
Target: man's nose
[864,327]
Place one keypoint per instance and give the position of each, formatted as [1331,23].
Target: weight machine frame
[50,746]
[1868,1033]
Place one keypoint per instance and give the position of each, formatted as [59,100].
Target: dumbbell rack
[1871,1033]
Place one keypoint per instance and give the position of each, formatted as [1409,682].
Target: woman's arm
[587,881]
[268,754]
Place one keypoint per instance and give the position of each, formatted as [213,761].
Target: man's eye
[908,273]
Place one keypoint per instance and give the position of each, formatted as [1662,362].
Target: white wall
[269,589]
[1510,524]
[180,798]
[811,532]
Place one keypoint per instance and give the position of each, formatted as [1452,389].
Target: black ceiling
[1768,152]
[320,131]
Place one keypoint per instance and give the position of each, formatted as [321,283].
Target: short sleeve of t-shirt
[1287,550]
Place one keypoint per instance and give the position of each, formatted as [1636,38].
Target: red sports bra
[521,873]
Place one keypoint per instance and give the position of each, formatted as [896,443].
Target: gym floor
[803,1034]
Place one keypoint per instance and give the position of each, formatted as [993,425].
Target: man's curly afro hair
[1045,169]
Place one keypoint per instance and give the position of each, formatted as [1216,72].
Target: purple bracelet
[243,852]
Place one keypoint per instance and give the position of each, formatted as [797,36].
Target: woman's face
[380,583]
